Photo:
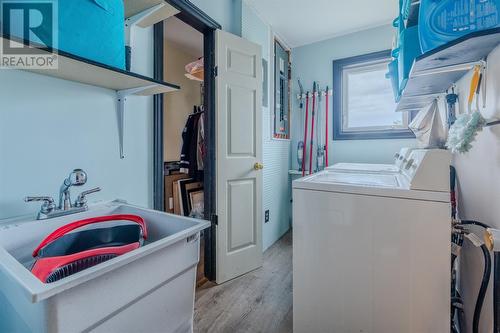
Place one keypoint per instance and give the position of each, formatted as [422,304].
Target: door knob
[258,166]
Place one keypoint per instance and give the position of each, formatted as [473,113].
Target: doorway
[197,21]
[232,163]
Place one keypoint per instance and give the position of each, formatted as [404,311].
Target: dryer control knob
[409,164]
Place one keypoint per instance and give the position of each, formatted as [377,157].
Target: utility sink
[150,289]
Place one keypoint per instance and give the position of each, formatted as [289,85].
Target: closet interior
[184,125]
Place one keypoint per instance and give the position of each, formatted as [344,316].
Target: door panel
[241,115]
[241,63]
[239,154]
[241,205]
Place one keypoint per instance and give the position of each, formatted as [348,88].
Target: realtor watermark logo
[29,30]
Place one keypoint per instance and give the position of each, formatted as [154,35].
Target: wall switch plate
[266,218]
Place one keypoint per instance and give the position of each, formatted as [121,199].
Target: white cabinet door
[239,156]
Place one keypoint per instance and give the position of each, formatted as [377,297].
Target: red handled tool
[326,132]
[304,149]
[312,128]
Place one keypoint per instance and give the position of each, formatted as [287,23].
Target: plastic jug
[442,21]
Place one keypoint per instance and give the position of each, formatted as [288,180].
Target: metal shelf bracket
[148,18]
[121,97]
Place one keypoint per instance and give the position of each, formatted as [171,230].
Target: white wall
[276,152]
[314,62]
[49,126]
[177,105]
[226,12]
[479,188]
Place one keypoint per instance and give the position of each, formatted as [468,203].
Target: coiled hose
[485,281]
[496,293]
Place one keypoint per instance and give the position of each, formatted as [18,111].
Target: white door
[239,156]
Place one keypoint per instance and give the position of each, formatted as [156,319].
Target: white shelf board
[148,12]
[73,68]
[134,7]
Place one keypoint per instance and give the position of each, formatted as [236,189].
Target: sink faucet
[77,177]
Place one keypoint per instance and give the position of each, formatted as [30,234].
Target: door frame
[196,18]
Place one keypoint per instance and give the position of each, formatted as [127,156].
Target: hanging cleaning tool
[474,86]
[451,102]
[467,125]
[304,146]
[326,128]
[300,145]
[320,146]
[312,127]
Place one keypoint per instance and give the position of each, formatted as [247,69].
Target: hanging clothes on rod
[193,145]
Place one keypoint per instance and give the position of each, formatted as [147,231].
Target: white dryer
[400,161]
[371,252]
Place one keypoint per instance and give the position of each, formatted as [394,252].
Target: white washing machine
[371,252]
[400,160]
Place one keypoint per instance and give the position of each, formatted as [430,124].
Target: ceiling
[188,38]
[300,22]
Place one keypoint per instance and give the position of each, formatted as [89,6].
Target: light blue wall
[313,62]
[49,127]
[226,12]
[276,152]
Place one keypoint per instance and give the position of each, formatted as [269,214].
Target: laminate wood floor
[258,302]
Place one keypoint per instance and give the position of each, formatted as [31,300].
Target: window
[364,106]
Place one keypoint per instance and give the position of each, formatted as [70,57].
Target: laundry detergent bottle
[442,21]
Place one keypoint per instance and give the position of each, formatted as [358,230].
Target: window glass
[363,100]
[369,101]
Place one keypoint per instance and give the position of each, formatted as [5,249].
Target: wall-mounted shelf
[146,13]
[134,7]
[436,71]
[78,69]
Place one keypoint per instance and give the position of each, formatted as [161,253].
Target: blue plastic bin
[442,21]
[92,29]
[405,6]
[409,50]
[393,75]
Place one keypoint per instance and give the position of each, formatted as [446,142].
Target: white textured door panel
[239,153]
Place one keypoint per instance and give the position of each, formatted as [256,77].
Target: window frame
[338,97]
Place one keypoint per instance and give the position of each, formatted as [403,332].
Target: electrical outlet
[266,219]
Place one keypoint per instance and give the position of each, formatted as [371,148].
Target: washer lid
[364,167]
[362,179]
[386,185]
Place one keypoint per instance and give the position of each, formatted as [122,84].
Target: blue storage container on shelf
[409,50]
[91,29]
[394,77]
[399,24]
[405,6]
[442,21]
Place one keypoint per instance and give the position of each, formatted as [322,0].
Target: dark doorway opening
[197,19]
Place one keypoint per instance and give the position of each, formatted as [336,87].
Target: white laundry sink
[150,289]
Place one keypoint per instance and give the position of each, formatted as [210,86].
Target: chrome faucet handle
[47,206]
[81,200]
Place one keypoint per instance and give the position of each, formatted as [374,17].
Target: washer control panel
[428,169]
